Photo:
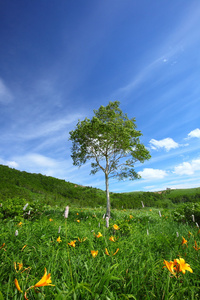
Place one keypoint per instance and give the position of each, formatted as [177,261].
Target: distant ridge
[53,191]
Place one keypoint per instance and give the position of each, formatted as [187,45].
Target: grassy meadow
[130,268]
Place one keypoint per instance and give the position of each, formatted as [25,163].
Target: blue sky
[60,60]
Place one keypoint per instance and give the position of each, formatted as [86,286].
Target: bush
[187,212]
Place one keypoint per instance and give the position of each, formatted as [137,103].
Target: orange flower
[112,239]
[45,280]
[116,227]
[78,221]
[183,266]
[23,247]
[106,252]
[99,235]
[20,266]
[170,266]
[77,214]
[17,285]
[72,243]
[184,241]
[177,266]
[82,240]
[94,253]
[59,239]
[196,247]
[51,220]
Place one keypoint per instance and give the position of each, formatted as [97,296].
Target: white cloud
[187,168]
[5,94]
[149,173]
[167,144]
[11,164]
[194,133]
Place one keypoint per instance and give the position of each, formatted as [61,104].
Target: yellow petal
[17,285]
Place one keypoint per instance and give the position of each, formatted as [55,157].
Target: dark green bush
[187,212]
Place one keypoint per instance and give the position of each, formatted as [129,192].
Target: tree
[110,140]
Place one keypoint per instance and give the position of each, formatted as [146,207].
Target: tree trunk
[108,196]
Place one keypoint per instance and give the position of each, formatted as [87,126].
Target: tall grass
[135,272]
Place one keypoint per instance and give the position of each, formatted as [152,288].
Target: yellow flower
[23,247]
[20,266]
[189,234]
[50,220]
[45,280]
[94,253]
[77,214]
[72,243]
[99,235]
[106,252]
[131,217]
[112,239]
[17,285]
[184,241]
[59,239]
[82,240]
[116,251]
[20,224]
[78,221]
[170,266]
[150,210]
[183,266]
[116,227]
[196,247]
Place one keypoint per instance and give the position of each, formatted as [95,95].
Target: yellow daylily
[23,247]
[72,243]
[17,285]
[94,253]
[59,239]
[112,239]
[99,235]
[170,266]
[20,266]
[45,280]
[82,240]
[177,266]
[184,241]
[116,227]
[107,253]
[183,266]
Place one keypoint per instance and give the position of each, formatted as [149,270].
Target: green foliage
[187,212]
[134,272]
[12,208]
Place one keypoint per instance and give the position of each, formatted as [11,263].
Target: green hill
[53,191]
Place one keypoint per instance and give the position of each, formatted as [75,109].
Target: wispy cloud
[167,144]
[5,93]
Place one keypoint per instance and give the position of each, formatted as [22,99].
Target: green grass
[135,272]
